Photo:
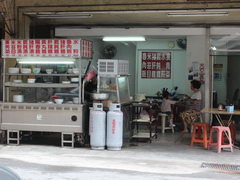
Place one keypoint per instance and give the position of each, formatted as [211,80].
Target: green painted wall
[150,87]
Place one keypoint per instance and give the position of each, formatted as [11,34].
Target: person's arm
[194,101]
[171,101]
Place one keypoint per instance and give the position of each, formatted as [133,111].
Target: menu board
[156,65]
[46,48]
[86,49]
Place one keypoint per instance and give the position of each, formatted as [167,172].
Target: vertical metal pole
[116,81]
[98,83]
[4,67]
[80,82]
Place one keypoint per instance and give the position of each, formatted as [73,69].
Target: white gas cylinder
[114,127]
[97,127]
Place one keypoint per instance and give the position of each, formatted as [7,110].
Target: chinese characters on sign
[86,49]
[156,65]
[46,48]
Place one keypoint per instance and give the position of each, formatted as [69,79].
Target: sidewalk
[162,159]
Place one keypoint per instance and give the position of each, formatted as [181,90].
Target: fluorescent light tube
[63,16]
[36,60]
[124,38]
[192,14]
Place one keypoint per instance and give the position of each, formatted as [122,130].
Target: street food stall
[37,88]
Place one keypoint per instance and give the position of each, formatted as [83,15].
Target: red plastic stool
[200,134]
[220,130]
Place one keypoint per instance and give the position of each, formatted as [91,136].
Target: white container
[18,98]
[36,70]
[26,70]
[75,100]
[114,127]
[70,71]
[97,127]
[66,82]
[17,81]
[31,80]
[58,101]
[75,80]
[13,70]
[75,71]
[49,71]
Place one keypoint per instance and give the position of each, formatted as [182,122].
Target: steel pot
[100,96]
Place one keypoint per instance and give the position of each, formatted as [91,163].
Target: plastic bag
[91,73]
[144,115]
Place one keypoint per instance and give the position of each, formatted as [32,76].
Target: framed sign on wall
[156,65]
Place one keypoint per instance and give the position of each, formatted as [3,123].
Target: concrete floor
[162,159]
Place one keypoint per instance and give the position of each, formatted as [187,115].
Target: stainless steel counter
[43,117]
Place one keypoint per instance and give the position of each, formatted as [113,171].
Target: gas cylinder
[97,127]
[114,127]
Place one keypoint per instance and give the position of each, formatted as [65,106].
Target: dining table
[217,113]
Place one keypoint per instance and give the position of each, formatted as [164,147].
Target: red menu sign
[41,48]
[86,49]
[156,65]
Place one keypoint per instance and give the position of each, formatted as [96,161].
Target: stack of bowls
[13,70]
[26,70]
[18,98]
[49,71]
[36,70]
[31,80]
[58,101]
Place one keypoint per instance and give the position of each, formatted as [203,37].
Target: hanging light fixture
[45,60]
[124,38]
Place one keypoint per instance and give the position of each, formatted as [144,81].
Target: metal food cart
[36,115]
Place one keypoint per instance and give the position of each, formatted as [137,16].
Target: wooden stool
[220,130]
[200,134]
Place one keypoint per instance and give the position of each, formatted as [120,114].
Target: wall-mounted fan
[109,51]
[182,43]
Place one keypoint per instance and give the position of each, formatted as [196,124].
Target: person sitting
[166,107]
[193,106]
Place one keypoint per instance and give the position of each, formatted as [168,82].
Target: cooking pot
[100,96]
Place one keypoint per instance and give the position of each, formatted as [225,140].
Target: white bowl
[13,70]
[66,82]
[36,70]
[70,71]
[75,71]
[74,79]
[75,100]
[58,101]
[17,81]
[49,71]
[31,80]
[26,70]
[18,98]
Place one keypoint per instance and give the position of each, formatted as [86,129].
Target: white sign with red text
[41,48]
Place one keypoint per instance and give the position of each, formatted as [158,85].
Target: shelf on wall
[32,74]
[40,85]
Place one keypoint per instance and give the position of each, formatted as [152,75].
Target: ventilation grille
[113,67]
[106,67]
[224,167]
